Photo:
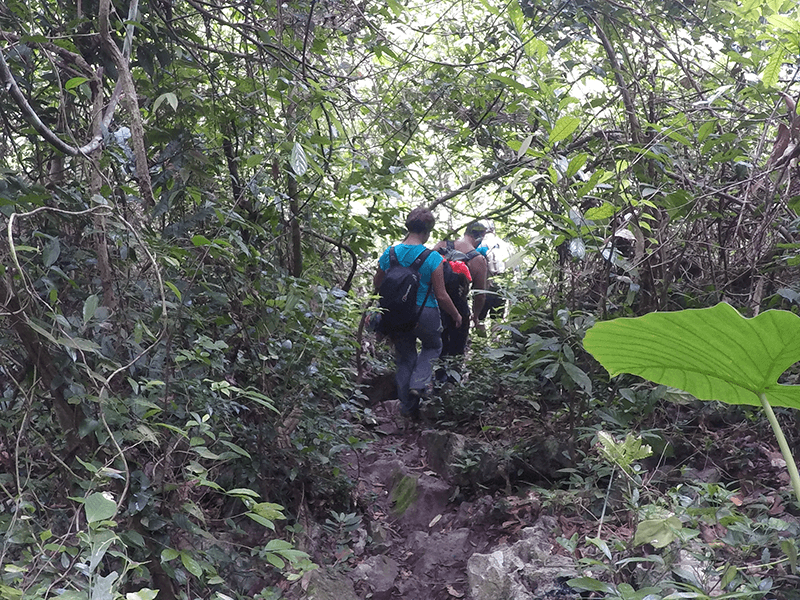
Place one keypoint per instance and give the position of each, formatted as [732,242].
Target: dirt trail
[422,528]
[406,508]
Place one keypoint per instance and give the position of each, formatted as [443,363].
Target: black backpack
[456,284]
[398,293]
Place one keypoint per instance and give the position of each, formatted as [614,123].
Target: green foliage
[195,429]
[547,347]
[343,526]
[671,554]
[712,353]
[189,361]
[623,454]
[404,493]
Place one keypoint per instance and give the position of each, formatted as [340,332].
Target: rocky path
[424,538]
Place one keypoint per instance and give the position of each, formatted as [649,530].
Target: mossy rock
[404,493]
[330,586]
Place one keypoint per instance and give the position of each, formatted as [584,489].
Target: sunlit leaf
[396,7]
[604,211]
[74,82]
[298,160]
[563,128]
[254,160]
[706,129]
[275,560]
[103,588]
[526,143]
[659,533]
[243,492]
[191,564]
[784,22]
[771,74]
[168,554]
[712,353]
[142,594]
[99,507]
[576,164]
[170,97]
[590,584]
[174,289]
[100,544]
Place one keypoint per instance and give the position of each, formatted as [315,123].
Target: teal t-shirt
[408,253]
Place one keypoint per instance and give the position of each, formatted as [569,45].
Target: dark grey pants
[414,368]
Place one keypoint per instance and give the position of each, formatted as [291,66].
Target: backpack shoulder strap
[451,245]
[470,255]
[393,262]
[423,256]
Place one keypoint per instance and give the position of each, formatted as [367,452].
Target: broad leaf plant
[712,353]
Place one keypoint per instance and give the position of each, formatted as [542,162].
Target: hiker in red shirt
[467,269]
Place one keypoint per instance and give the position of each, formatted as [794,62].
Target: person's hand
[458,320]
[474,318]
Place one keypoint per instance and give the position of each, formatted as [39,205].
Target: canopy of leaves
[193,195]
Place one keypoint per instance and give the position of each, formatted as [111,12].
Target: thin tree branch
[630,109]
[349,282]
[125,79]
[9,83]
[481,181]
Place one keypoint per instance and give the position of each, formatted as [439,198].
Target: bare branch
[125,80]
[630,109]
[481,181]
[10,85]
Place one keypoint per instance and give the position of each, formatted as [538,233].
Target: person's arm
[479,272]
[442,297]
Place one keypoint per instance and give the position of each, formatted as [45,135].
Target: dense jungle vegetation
[194,194]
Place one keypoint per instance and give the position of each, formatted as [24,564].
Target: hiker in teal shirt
[413,368]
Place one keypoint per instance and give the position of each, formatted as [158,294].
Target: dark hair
[476,227]
[420,220]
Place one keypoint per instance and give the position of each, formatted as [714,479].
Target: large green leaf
[770,76]
[712,353]
[99,507]
[659,533]
[564,128]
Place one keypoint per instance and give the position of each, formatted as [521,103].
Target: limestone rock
[325,585]
[525,570]
[463,461]
[379,572]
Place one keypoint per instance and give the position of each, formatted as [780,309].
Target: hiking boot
[414,396]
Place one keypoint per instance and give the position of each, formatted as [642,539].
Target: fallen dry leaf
[777,506]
